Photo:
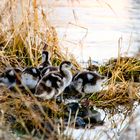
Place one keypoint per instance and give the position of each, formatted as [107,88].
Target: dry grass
[122,69]
[123,85]
[22,38]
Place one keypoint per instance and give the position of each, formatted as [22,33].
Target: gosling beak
[73,68]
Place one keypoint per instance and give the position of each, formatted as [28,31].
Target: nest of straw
[119,94]
[122,69]
[123,85]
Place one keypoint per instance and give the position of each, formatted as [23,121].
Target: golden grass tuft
[122,69]
[118,94]
[123,84]
[22,40]
[24,32]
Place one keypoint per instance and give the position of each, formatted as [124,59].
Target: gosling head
[45,56]
[66,65]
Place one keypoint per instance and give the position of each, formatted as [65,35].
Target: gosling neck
[66,73]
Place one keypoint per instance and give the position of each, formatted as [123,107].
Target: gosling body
[11,77]
[87,82]
[30,77]
[54,83]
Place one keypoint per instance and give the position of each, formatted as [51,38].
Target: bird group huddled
[48,82]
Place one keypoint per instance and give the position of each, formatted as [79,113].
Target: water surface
[93,28]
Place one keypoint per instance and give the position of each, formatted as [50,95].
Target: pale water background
[92,28]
